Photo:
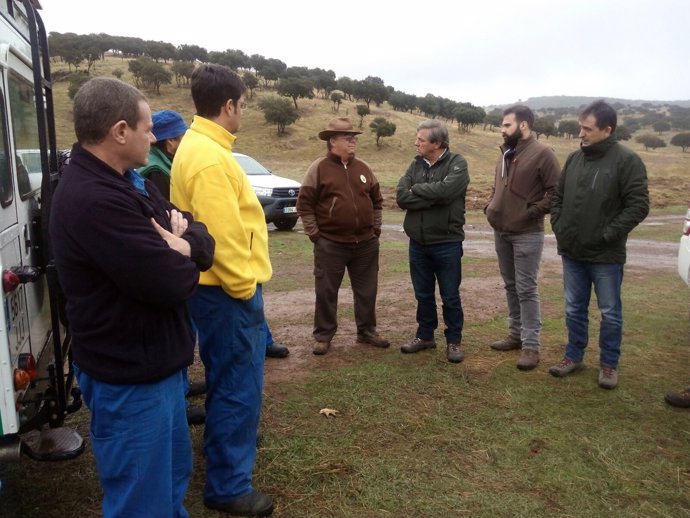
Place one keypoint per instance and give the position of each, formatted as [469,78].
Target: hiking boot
[454,353]
[255,503]
[321,347]
[372,338]
[509,343]
[680,399]
[608,377]
[418,344]
[196,415]
[277,350]
[565,367]
[528,360]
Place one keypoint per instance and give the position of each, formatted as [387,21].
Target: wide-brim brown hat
[337,126]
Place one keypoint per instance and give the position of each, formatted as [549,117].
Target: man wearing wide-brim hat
[340,204]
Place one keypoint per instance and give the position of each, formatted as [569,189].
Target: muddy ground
[483,298]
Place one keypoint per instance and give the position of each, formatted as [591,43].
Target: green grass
[417,436]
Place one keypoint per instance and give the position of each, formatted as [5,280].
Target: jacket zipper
[352,195]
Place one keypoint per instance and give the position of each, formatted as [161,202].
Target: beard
[511,141]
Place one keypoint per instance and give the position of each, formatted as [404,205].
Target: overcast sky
[481,51]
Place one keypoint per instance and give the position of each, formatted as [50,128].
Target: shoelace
[607,371]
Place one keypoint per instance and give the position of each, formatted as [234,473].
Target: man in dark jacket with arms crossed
[432,191]
[128,261]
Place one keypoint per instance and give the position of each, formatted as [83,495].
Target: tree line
[156,63]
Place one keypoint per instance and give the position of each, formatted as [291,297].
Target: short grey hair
[100,103]
[438,132]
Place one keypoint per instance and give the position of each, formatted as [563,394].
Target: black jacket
[125,287]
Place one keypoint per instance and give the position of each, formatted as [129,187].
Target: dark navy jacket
[126,289]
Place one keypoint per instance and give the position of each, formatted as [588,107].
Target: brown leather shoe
[372,338]
[417,345]
[678,398]
[565,367]
[454,353]
[509,343]
[608,377]
[321,347]
[528,360]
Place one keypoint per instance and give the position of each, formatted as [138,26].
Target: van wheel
[285,224]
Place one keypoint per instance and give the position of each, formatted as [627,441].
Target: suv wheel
[285,224]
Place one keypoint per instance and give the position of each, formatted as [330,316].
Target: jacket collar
[214,131]
[599,149]
[338,159]
[444,156]
[522,144]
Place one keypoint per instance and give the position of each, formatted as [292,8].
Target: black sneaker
[277,350]
[196,414]
[255,503]
[196,388]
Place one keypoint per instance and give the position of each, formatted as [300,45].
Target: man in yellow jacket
[228,306]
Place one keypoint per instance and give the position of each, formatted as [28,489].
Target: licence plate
[289,210]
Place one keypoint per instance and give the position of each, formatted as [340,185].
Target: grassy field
[416,436]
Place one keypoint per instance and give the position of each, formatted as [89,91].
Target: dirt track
[485,296]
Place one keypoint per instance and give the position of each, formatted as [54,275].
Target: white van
[36,377]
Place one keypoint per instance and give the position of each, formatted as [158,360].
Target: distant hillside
[572,101]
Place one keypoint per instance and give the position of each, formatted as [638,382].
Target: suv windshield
[251,166]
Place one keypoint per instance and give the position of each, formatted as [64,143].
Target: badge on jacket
[361,177]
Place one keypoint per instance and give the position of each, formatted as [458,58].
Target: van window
[25,132]
[5,170]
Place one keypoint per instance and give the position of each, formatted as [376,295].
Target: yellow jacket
[207,181]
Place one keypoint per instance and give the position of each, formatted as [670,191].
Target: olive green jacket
[434,198]
[601,196]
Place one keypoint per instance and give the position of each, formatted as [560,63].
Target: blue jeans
[232,346]
[607,278]
[518,260]
[140,440]
[437,263]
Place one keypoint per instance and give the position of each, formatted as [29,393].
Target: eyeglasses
[349,138]
[243,105]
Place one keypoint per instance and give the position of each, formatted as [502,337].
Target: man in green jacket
[432,191]
[601,196]
[168,127]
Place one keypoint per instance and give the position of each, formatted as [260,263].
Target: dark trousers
[437,263]
[330,261]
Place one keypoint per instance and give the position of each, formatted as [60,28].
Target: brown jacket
[338,202]
[523,188]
